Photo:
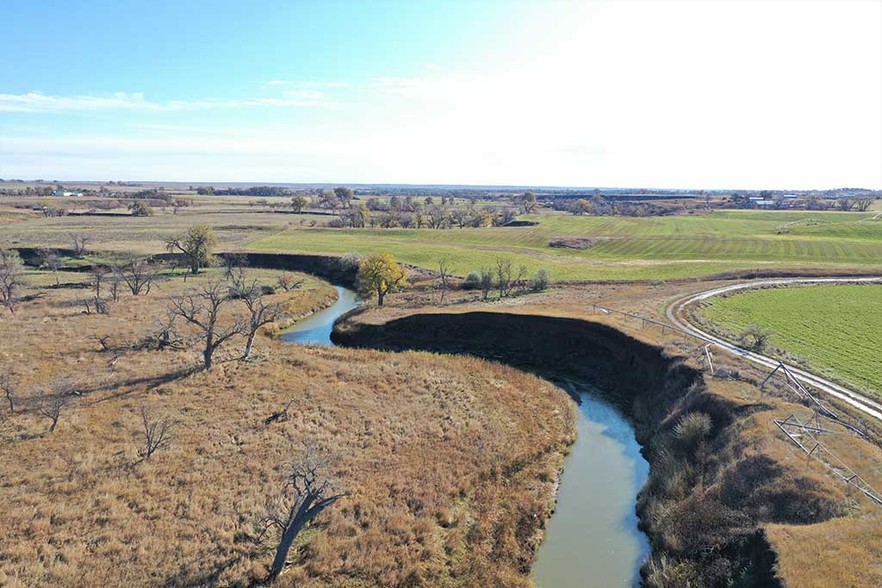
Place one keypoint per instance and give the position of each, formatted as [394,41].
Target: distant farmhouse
[65,193]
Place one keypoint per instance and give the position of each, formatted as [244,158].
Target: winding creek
[316,328]
[592,539]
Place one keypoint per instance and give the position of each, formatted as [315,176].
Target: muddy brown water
[592,539]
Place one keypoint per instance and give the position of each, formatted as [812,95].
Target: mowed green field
[625,248]
[837,329]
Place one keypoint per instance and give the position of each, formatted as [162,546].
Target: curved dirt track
[675,313]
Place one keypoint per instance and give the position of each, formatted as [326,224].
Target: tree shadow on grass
[206,577]
[132,385]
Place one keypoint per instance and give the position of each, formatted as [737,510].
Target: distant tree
[11,278]
[289,282]
[436,217]
[202,310]
[486,283]
[79,243]
[864,204]
[443,277]
[503,276]
[508,216]
[380,274]
[196,245]
[528,202]
[97,304]
[233,264]
[329,199]
[51,261]
[138,274]
[344,195]
[298,203]
[139,208]
[845,204]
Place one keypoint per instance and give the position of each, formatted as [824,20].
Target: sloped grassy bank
[711,486]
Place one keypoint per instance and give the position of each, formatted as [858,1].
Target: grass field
[625,247]
[450,462]
[836,329]
[651,248]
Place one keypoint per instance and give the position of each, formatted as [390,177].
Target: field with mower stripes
[624,247]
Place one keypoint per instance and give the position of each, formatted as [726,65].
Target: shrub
[755,338]
[472,281]
[670,572]
[692,429]
[539,282]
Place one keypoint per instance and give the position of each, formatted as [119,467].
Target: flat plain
[834,328]
[616,248]
[621,248]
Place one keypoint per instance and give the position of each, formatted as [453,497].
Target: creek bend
[593,537]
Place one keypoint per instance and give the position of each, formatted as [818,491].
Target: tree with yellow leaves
[379,275]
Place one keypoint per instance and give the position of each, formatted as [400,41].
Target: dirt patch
[578,243]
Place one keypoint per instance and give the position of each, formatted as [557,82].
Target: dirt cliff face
[710,487]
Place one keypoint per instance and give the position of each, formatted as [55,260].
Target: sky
[707,94]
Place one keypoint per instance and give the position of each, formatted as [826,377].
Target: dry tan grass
[450,462]
[845,550]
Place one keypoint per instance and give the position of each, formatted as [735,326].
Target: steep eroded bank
[711,485]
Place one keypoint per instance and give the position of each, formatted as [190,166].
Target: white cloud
[307,84]
[123,101]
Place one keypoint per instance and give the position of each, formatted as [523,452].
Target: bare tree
[503,277]
[8,387]
[864,204]
[202,310]
[11,278]
[443,277]
[79,243]
[520,279]
[97,304]
[306,494]
[288,282]
[52,404]
[99,274]
[260,312]
[51,261]
[845,204]
[166,336]
[157,432]
[486,283]
[233,263]
[138,274]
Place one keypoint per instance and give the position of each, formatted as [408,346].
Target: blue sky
[743,94]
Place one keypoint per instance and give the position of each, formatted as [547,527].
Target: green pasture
[625,247]
[837,329]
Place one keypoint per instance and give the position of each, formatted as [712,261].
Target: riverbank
[717,479]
